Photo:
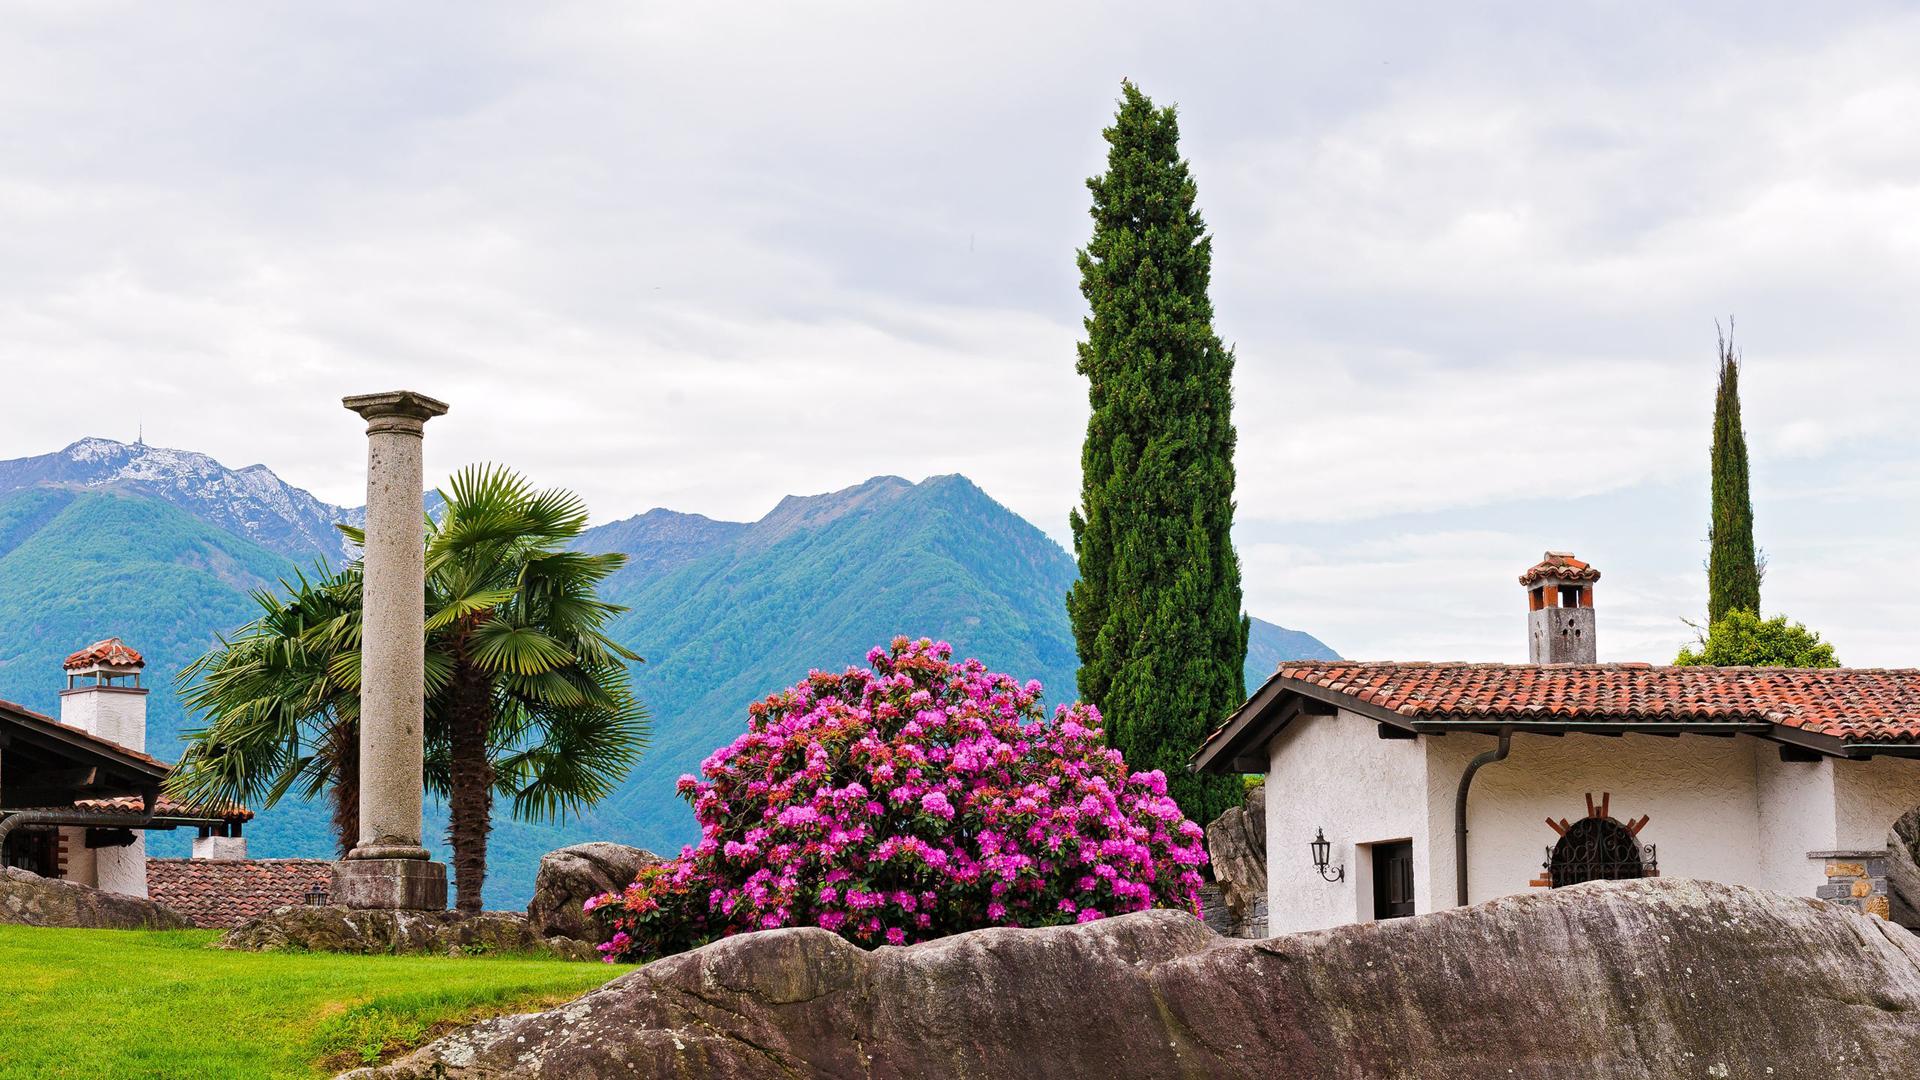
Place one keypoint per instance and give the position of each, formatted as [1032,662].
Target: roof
[1558,566]
[79,737]
[134,768]
[164,806]
[1837,711]
[108,652]
[221,893]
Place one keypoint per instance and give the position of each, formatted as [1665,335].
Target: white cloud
[703,256]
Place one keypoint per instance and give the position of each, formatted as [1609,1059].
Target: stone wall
[1856,879]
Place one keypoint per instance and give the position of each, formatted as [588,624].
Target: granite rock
[570,876]
[333,928]
[1631,980]
[27,899]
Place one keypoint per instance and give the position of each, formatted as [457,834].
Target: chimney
[104,696]
[213,846]
[1560,610]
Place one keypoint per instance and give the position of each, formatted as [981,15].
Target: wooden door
[1393,880]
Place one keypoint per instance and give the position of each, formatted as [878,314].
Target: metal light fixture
[1321,851]
[317,895]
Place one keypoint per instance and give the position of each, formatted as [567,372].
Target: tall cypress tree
[1156,612]
[1733,566]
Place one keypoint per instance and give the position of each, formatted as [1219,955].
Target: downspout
[1498,753]
[76,817]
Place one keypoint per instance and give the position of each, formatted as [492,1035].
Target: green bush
[1744,639]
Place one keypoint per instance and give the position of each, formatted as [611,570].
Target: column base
[390,884]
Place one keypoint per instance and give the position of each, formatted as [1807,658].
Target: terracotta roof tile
[1863,705]
[109,651]
[1559,566]
[222,893]
[165,806]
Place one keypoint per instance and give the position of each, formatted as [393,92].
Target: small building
[79,794]
[218,894]
[1401,788]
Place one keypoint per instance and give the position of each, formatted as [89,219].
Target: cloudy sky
[704,255]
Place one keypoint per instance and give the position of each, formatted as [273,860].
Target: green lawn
[124,1004]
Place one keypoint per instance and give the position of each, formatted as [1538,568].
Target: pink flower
[919,789]
[935,803]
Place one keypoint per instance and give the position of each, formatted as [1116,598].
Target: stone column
[388,867]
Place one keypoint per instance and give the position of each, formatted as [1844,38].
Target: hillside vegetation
[725,612]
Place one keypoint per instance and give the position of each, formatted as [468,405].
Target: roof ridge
[1610,665]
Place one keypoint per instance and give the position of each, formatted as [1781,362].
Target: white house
[1438,784]
[79,794]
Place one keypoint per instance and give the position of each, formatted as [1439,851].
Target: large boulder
[1644,979]
[331,928]
[570,876]
[1903,870]
[1237,849]
[27,899]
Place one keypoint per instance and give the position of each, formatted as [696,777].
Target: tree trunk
[470,798]
[345,751]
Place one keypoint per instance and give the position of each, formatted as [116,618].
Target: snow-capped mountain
[250,502]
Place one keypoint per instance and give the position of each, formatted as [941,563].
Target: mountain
[78,564]
[161,547]
[251,503]
[1268,644]
[742,611]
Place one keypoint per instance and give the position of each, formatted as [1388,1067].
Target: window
[1393,879]
[33,850]
[1597,849]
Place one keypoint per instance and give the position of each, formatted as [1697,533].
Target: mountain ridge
[162,548]
[253,502]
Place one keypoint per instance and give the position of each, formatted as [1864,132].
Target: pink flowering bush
[905,802]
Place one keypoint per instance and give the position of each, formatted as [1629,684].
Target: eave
[1240,744]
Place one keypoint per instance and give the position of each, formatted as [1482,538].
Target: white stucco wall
[1794,804]
[219,847]
[111,712]
[1869,796]
[123,869]
[1697,791]
[1724,809]
[1334,773]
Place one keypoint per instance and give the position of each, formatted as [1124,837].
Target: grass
[163,1005]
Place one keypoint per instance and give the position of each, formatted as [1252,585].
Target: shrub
[1743,639]
[908,801]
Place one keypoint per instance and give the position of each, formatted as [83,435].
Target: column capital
[395,410]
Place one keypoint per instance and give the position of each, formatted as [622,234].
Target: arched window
[1597,849]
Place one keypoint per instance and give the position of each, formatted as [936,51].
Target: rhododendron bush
[908,801]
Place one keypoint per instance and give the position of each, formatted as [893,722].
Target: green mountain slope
[79,566]
[724,612]
[818,582]
[1268,644]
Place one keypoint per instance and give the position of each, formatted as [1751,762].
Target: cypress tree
[1733,566]
[1156,612]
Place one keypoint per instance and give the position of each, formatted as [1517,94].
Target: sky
[1470,260]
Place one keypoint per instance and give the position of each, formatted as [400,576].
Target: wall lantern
[317,895]
[1321,850]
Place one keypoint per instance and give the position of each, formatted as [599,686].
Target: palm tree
[282,718]
[526,695]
